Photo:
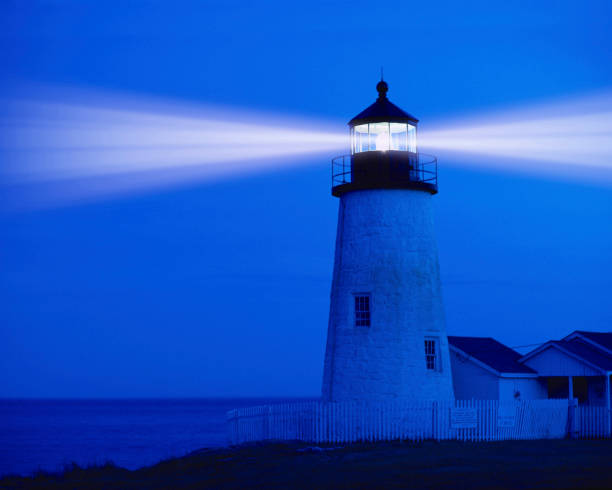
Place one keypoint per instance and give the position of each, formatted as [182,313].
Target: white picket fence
[591,422]
[464,420]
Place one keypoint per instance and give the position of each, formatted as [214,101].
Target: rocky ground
[512,464]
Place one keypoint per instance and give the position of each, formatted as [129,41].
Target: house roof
[588,352]
[494,354]
[604,339]
[582,346]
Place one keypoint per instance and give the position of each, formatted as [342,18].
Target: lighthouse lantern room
[384,151]
[386,333]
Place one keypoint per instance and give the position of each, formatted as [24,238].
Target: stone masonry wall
[385,246]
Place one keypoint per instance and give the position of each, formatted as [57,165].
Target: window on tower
[431,354]
[362,310]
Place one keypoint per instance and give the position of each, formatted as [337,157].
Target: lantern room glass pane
[383,136]
[379,136]
[399,136]
[361,140]
[412,146]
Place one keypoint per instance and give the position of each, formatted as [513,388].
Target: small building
[578,366]
[485,369]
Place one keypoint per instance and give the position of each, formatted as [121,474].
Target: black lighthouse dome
[382,110]
[384,151]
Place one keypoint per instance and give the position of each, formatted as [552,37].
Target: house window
[362,310]
[431,354]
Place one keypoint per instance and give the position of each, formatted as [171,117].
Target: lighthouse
[386,335]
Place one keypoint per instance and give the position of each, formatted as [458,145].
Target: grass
[510,464]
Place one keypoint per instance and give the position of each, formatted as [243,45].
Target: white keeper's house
[577,366]
[485,369]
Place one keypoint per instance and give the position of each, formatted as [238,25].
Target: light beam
[64,146]
[568,138]
[92,144]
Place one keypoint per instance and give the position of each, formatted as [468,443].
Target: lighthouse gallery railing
[423,168]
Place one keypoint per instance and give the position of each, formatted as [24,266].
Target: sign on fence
[506,416]
[464,418]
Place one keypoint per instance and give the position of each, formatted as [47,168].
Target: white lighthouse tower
[386,336]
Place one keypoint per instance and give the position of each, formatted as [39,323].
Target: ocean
[49,434]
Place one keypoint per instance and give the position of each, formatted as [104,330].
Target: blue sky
[222,288]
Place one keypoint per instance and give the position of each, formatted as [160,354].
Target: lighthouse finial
[382,78]
[382,86]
